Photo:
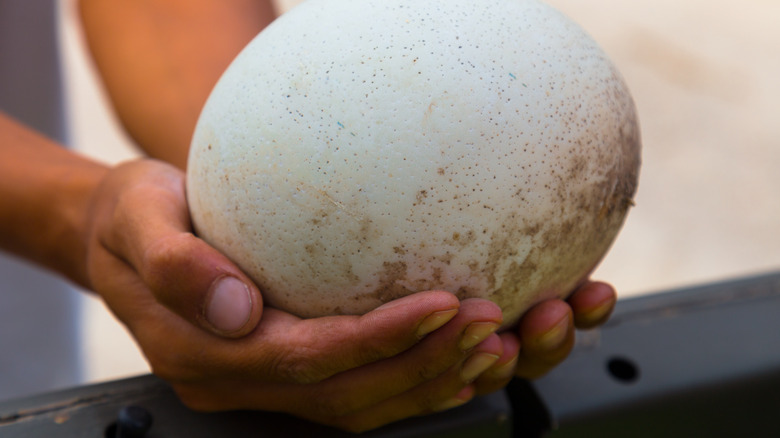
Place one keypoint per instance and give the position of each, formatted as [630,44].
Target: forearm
[160,59]
[44,197]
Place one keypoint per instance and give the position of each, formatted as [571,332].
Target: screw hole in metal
[623,370]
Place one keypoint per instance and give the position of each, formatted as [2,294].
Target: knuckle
[126,201]
[167,262]
[426,372]
[164,252]
[295,367]
[381,338]
[430,401]
[130,199]
[369,352]
[310,359]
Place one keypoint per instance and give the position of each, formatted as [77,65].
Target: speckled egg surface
[361,150]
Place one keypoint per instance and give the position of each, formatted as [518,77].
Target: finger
[546,334]
[592,304]
[501,372]
[451,389]
[285,349]
[200,284]
[165,338]
[448,390]
[359,386]
[471,329]
[119,286]
[150,230]
[434,375]
[319,348]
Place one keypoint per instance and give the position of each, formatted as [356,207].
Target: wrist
[45,191]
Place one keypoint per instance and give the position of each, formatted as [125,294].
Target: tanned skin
[124,232]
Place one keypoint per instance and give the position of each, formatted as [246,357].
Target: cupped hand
[544,336]
[202,325]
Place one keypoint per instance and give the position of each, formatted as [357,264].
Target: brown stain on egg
[420,197]
[390,287]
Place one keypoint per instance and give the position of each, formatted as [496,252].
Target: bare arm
[159,59]
[44,194]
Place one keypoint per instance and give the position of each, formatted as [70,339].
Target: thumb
[147,226]
[201,285]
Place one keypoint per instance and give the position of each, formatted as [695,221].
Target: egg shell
[357,151]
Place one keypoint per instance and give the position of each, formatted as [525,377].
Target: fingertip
[511,347]
[482,310]
[504,369]
[434,321]
[557,336]
[546,338]
[431,309]
[462,397]
[542,318]
[476,364]
[232,307]
[477,333]
[199,283]
[592,304]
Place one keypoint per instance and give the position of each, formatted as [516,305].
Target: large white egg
[361,150]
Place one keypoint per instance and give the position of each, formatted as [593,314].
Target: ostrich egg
[357,151]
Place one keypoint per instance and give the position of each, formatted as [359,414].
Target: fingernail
[434,321]
[555,336]
[506,370]
[454,402]
[476,365]
[462,397]
[230,304]
[475,333]
[596,314]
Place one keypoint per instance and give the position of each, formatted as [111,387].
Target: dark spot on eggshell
[420,197]
[390,288]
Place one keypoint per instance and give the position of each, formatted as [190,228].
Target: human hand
[412,356]
[544,336]
[546,332]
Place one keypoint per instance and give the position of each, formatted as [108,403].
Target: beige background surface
[704,75]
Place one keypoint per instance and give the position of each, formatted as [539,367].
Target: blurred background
[704,75]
